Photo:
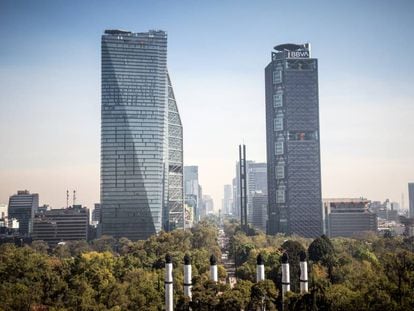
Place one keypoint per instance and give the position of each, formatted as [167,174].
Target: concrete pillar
[213,268]
[303,273]
[285,274]
[187,277]
[168,283]
[260,270]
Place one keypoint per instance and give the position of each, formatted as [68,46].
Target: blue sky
[50,88]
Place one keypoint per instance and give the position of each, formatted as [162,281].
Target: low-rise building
[61,225]
[348,217]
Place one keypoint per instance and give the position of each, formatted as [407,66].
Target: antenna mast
[74,198]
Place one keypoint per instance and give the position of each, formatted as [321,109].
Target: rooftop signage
[298,54]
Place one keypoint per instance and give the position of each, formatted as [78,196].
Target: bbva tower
[293,148]
[141,137]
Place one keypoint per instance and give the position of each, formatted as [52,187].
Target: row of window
[277,76]
[281,194]
[278,124]
[278,99]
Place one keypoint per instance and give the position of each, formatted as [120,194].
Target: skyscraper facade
[256,183]
[192,190]
[175,163]
[411,200]
[141,137]
[227,200]
[293,149]
[22,207]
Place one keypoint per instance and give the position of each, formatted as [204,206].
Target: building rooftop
[291,47]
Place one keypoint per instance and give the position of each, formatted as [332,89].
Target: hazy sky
[217,51]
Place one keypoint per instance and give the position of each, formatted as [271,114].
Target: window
[279,148]
[280,171]
[277,76]
[300,64]
[278,124]
[280,194]
[278,99]
[302,136]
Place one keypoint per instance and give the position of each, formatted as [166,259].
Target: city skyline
[50,101]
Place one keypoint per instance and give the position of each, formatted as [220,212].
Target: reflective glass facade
[293,150]
[135,139]
[175,163]
[22,207]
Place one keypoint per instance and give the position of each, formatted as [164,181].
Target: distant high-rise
[192,190]
[22,207]
[256,183]
[3,211]
[96,213]
[259,213]
[227,200]
[411,200]
[293,150]
[141,137]
[208,204]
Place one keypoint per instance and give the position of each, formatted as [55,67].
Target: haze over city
[217,51]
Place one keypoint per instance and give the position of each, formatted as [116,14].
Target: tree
[321,250]
[263,296]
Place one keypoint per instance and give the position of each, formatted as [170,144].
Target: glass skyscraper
[141,137]
[22,207]
[293,149]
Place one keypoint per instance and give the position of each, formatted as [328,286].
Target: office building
[61,225]
[226,207]
[411,200]
[293,151]
[175,163]
[256,182]
[141,137]
[259,217]
[3,211]
[96,213]
[208,205]
[192,190]
[22,208]
[386,210]
[235,205]
[348,217]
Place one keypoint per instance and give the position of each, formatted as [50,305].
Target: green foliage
[320,248]
[367,273]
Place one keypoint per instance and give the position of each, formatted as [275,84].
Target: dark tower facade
[293,149]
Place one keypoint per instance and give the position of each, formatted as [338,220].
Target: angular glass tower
[293,150]
[175,163]
[136,143]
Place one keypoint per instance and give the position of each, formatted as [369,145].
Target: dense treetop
[368,273]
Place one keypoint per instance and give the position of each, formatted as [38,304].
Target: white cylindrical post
[168,283]
[285,274]
[303,273]
[187,276]
[260,270]
[213,268]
